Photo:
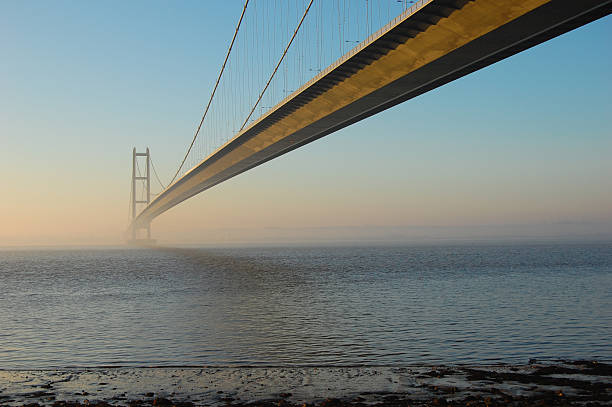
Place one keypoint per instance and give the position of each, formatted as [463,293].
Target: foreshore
[561,383]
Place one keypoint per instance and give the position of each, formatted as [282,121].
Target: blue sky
[527,141]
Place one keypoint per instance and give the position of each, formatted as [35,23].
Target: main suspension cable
[156,176]
[280,61]
[229,50]
[130,205]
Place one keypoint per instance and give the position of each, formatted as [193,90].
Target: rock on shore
[586,383]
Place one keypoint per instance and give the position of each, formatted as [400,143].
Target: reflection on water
[304,306]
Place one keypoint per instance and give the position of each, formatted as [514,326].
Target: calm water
[304,306]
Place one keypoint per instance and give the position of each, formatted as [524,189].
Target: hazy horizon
[362,235]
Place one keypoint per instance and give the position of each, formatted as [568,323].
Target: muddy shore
[562,383]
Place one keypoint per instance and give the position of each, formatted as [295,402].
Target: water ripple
[304,306]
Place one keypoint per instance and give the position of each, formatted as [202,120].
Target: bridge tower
[145,181]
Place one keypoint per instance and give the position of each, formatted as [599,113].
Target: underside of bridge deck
[426,47]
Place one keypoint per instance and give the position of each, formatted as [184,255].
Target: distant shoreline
[322,244]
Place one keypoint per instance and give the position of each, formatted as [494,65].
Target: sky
[518,150]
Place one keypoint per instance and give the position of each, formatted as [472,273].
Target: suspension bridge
[296,71]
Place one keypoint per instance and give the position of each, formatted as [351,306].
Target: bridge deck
[433,43]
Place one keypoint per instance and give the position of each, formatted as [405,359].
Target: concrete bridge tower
[140,234]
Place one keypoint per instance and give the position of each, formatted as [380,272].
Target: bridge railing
[332,30]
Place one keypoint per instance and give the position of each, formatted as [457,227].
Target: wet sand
[586,383]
